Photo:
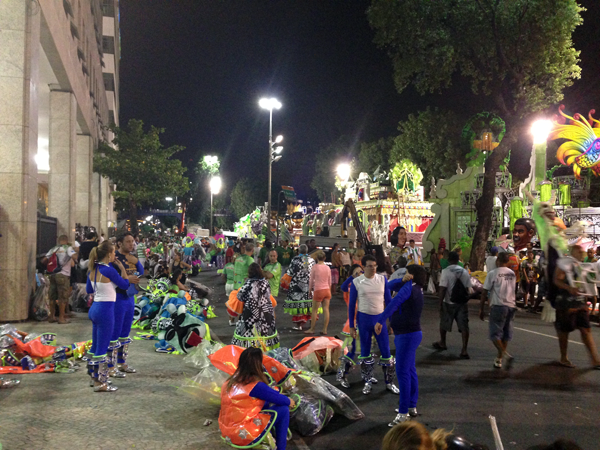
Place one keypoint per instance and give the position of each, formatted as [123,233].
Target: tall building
[59,67]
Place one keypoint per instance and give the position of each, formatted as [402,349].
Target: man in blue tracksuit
[124,307]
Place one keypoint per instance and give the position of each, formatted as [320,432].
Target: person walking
[336,267]
[102,281]
[369,293]
[272,272]
[529,280]
[284,255]
[404,313]
[319,284]
[256,325]
[451,311]
[299,301]
[141,252]
[499,288]
[60,278]
[242,263]
[572,311]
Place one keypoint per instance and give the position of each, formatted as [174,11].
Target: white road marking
[547,335]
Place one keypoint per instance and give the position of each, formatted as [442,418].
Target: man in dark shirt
[91,241]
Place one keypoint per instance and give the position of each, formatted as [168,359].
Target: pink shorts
[322,294]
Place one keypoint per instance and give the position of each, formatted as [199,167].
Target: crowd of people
[380,290]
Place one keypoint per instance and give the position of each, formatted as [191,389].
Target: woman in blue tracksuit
[124,307]
[102,281]
[404,313]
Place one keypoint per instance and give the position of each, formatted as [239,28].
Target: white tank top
[104,292]
[370,294]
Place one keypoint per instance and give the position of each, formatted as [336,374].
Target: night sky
[199,67]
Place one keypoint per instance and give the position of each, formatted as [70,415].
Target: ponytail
[98,253]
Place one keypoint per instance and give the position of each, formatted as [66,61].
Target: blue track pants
[406,372]
[366,329]
[123,318]
[281,425]
[102,315]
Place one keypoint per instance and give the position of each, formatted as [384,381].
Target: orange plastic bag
[34,348]
[285,282]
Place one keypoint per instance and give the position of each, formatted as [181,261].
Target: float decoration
[582,149]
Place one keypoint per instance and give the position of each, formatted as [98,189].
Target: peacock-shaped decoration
[582,149]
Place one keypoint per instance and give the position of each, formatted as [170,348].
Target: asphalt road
[535,402]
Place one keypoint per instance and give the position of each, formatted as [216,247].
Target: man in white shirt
[369,295]
[414,254]
[60,282]
[449,311]
[490,261]
[499,287]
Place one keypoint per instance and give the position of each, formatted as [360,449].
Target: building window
[108,8]
[108,44]
[111,117]
[109,81]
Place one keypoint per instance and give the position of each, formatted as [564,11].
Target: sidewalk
[59,411]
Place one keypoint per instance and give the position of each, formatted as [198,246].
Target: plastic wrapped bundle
[283,355]
[316,387]
[310,416]
[199,356]
[206,386]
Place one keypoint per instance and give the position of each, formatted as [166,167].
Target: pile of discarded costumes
[23,353]
[316,400]
[176,320]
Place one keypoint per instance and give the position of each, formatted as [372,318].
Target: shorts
[501,322]
[322,294]
[451,312]
[59,288]
[570,315]
[528,288]
[335,276]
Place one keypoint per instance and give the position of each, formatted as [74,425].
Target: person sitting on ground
[176,283]
[243,398]
[500,287]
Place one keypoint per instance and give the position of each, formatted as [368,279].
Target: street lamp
[343,171]
[540,129]
[215,187]
[274,148]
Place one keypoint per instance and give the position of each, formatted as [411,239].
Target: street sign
[289,193]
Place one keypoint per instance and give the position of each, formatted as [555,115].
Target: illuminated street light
[540,131]
[168,199]
[215,187]
[271,104]
[343,171]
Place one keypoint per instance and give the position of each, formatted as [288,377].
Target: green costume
[275,269]
[284,255]
[242,263]
[229,271]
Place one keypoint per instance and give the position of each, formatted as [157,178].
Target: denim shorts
[501,322]
[451,312]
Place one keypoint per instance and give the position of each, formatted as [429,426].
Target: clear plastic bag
[198,357]
[311,415]
[206,386]
[282,354]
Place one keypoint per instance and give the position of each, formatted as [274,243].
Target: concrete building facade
[58,93]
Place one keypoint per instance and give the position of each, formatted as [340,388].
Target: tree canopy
[518,53]
[375,154]
[245,197]
[432,140]
[140,166]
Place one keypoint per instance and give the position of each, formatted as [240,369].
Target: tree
[517,53]
[245,197]
[375,154]
[432,140]
[140,167]
[324,178]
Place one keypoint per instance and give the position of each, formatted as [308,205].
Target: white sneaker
[231,323]
[498,363]
[373,380]
[399,419]
[392,388]
[367,388]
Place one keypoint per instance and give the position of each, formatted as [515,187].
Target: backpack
[53,266]
[460,294]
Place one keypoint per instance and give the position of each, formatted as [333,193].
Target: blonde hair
[414,436]
[360,253]
[98,253]
[320,255]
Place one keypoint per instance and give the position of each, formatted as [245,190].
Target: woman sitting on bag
[250,408]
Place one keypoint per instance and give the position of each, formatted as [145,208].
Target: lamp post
[540,131]
[215,187]
[274,149]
